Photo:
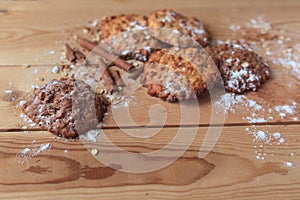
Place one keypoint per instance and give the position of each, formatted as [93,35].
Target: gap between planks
[170,126]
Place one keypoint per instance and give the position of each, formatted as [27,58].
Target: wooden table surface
[33,32]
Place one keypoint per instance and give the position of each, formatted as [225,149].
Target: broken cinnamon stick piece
[74,55]
[117,77]
[107,77]
[70,53]
[104,54]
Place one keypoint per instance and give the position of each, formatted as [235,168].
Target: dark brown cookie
[179,74]
[241,68]
[128,37]
[65,107]
[176,29]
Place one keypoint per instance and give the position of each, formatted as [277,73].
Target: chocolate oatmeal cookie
[128,37]
[241,68]
[175,29]
[179,74]
[65,107]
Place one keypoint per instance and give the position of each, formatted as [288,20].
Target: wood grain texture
[230,171]
[33,36]
[240,166]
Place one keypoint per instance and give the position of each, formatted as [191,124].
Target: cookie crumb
[25,66]
[40,79]
[95,152]
[55,69]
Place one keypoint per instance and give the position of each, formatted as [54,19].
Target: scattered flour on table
[55,70]
[90,135]
[289,164]
[266,137]
[286,110]
[8,91]
[28,153]
[231,103]
[265,141]
[52,52]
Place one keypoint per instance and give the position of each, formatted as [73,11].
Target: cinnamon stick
[107,77]
[70,53]
[74,55]
[104,54]
[117,77]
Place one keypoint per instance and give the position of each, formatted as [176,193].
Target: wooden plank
[230,171]
[247,162]
[26,40]
[20,80]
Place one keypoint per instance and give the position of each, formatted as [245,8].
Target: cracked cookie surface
[128,37]
[179,74]
[178,30]
[65,107]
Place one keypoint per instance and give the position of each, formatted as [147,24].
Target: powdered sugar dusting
[259,23]
[28,153]
[289,164]
[264,141]
[286,110]
[260,135]
[239,80]
[90,135]
[230,103]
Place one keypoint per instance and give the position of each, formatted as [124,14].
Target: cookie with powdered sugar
[240,67]
[179,74]
[65,107]
[178,30]
[128,37]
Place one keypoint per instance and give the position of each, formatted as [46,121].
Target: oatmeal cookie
[128,37]
[65,107]
[179,74]
[114,25]
[240,68]
[177,30]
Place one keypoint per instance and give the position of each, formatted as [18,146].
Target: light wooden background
[30,30]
